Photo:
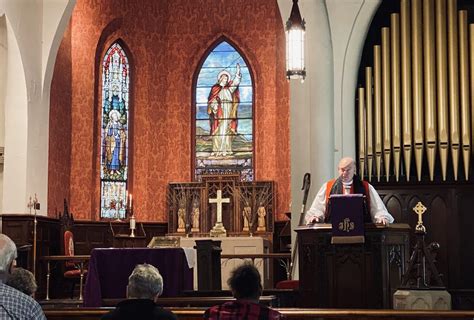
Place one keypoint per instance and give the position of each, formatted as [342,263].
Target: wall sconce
[295,28]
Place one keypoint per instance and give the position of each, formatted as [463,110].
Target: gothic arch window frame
[196,74]
[121,202]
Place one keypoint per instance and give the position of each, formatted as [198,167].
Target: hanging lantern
[295,29]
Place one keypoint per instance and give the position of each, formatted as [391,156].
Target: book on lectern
[347,218]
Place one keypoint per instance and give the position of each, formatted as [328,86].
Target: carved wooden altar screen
[250,209]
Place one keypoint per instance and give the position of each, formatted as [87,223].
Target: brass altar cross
[419,210]
[218,228]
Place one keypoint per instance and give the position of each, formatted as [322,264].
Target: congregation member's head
[245,282]
[13,303]
[246,286]
[22,280]
[145,282]
[7,257]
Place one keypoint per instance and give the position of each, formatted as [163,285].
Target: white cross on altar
[219,201]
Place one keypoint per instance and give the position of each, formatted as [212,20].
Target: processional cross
[218,230]
[419,210]
[35,205]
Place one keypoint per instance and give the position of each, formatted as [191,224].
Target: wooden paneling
[462,299]
[87,235]
[20,229]
[448,220]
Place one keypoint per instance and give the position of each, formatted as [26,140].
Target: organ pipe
[417,74]
[464,91]
[386,101]
[378,109]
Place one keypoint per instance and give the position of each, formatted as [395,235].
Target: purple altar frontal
[110,268]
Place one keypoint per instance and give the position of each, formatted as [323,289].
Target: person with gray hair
[348,182]
[145,285]
[13,303]
[8,257]
[23,280]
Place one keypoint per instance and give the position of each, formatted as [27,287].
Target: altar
[109,269]
[237,245]
[221,207]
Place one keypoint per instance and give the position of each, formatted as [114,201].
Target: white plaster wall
[56,16]
[34,29]
[16,129]
[349,20]
[322,113]
[311,107]
[3,85]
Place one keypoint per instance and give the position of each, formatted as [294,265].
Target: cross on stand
[419,209]
[421,272]
[218,230]
[35,205]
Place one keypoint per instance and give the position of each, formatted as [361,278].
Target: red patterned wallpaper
[60,129]
[165,41]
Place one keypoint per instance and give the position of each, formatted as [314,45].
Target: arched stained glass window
[114,133]
[224,115]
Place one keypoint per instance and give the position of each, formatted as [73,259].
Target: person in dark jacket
[145,285]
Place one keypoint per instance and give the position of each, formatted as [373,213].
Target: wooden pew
[205,301]
[97,313]
[290,313]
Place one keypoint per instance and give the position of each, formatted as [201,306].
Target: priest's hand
[314,220]
[383,221]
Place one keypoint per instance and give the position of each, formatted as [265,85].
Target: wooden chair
[73,269]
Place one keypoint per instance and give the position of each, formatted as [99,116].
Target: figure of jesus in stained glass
[222,109]
[224,114]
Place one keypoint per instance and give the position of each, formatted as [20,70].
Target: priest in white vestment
[347,183]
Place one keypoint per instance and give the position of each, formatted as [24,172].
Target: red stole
[329,186]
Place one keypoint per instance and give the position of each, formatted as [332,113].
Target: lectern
[361,275]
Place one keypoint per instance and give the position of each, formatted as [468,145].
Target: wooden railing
[291,314]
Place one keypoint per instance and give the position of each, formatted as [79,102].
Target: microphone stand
[305,187]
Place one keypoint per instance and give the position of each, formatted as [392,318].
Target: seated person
[23,280]
[13,303]
[145,285]
[347,183]
[246,287]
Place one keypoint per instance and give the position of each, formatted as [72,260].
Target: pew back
[290,313]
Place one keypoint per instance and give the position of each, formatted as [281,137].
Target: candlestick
[132,226]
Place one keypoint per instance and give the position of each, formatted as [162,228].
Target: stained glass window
[114,133]
[224,115]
